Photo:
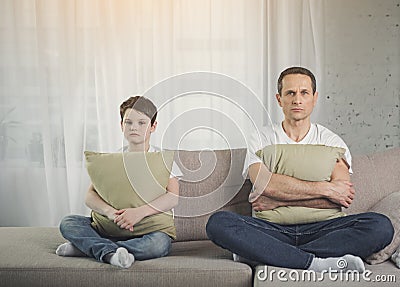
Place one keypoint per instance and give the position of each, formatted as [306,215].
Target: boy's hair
[140,104]
[297,70]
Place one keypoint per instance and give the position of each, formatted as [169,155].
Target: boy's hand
[111,216]
[127,218]
[111,213]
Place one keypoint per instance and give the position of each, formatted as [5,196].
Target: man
[318,245]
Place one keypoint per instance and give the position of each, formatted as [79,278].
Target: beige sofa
[27,255]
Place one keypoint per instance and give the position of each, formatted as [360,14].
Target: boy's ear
[153,127]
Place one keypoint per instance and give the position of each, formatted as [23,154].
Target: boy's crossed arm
[97,204]
[127,218]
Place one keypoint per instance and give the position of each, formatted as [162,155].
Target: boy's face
[137,127]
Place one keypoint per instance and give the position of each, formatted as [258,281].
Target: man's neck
[139,147]
[296,130]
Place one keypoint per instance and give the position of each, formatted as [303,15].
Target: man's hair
[140,104]
[294,71]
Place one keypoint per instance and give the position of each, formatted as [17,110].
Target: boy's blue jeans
[77,229]
[295,246]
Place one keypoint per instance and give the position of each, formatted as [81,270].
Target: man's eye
[142,123]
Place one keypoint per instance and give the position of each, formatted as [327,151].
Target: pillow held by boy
[123,227]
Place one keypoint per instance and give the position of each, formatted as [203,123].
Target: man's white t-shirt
[276,135]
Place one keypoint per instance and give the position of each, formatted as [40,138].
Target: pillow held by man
[305,162]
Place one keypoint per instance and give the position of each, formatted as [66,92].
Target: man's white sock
[240,259]
[235,257]
[68,249]
[122,258]
[345,263]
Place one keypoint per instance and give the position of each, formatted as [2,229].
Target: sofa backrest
[212,181]
[374,177]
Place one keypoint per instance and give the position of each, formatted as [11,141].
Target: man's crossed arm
[274,190]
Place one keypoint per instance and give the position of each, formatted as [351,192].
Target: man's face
[137,127]
[297,99]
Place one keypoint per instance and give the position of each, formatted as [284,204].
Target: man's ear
[278,98]
[315,98]
[153,127]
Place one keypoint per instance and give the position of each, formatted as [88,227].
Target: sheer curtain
[65,67]
[294,36]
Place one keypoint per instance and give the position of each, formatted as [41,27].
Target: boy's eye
[128,123]
[142,123]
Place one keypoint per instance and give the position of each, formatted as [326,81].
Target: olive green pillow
[305,162]
[130,179]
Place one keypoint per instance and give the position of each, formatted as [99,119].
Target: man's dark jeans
[295,246]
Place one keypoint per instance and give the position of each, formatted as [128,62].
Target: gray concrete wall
[361,95]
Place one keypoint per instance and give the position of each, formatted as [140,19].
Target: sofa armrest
[388,206]
[396,257]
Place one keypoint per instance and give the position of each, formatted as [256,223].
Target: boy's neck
[139,147]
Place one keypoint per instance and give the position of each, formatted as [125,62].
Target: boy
[138,121]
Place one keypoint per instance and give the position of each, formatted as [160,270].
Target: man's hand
[128,217]
[341,192]
[265,203]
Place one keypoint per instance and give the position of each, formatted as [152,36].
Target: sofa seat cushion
[29,259]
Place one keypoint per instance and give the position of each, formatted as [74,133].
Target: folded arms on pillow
[313,165]
[132,180]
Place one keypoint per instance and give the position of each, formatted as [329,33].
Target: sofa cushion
[373,180]
[211,181]
[396,257]
[131,179]
[305,162]
[29,259]
[389,206]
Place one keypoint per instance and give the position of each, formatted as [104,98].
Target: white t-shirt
[276,135]
[175,170]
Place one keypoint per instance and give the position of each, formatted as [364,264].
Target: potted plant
[4,137]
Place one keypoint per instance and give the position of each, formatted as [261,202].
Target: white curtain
[66,65]
[294,37]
